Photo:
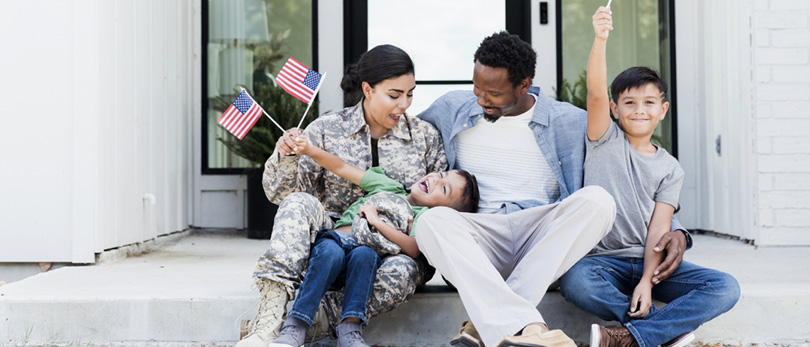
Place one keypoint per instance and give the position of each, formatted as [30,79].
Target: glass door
[642,36]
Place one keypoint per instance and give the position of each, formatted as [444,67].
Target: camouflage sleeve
[279,178]
[435,157]
[290,174]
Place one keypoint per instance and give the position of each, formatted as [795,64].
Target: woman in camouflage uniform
[373,132]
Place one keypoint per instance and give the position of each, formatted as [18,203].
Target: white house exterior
[103,121]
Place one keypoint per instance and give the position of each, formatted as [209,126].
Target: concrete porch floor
[193,290]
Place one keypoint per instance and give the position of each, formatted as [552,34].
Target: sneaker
[326,318]
[467,336]
[350,335]
[533,336]
[267,323]
[680,341]
[292,333]
[611,337]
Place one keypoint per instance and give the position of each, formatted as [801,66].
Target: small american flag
[299,80]
[241,115]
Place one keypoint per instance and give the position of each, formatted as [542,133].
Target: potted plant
[259,144]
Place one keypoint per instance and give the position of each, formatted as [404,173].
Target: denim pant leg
[599,285]
[695,295]
[326,261]
[361,269]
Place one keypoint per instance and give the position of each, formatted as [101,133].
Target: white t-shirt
[506,161]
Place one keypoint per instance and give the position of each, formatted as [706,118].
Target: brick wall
[781,61]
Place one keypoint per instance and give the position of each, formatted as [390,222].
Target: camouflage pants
[298,220]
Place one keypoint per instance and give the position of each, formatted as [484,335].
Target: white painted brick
[781,5]
[765,182]
[789,74]
[765,217]
[763,74]
[783,127]
[780,20]
[762,37]
[793,217]
[784,199]
[792,182]
[763,109]
[781,56]
[790,109]
[783,92]
[790,37]
[764,145]
[791,145]
[761,5]
[785,163]
[784,236]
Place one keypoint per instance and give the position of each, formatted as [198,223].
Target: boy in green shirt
[336,258]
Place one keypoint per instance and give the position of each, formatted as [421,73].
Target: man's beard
[490,119]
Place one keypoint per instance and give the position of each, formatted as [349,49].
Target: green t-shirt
[373,182]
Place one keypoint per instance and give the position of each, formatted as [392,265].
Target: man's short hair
[634,77]
[470,196]
[510,52]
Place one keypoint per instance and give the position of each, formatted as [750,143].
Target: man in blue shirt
[527,152]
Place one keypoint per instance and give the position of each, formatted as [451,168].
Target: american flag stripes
[241,115]
[299,80]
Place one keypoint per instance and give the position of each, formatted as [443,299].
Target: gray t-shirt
[636,182]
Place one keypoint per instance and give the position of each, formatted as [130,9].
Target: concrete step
[192,292]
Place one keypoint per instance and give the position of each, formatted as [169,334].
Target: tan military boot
[272,306]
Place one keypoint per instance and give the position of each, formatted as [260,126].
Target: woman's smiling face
[387,101]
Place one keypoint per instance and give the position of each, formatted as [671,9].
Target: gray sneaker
[350,335]
[292,333]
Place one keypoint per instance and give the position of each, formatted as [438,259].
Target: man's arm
[598,100]
[328,160]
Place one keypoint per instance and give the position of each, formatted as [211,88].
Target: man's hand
[286,144]
[674,243]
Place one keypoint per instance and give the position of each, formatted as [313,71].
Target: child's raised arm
[598,101]
[328,160]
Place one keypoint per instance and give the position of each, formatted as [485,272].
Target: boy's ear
[665,108]
[613,108]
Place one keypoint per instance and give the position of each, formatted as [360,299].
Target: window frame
[204,86]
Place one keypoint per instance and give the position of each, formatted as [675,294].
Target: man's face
[495,92]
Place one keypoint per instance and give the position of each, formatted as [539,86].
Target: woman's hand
[642,299]
[286,144]
[602,22]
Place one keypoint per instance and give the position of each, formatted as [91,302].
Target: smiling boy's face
[640,109]
[438,189]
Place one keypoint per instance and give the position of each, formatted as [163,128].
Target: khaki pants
[502,264]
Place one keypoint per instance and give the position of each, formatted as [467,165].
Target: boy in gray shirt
[615,280]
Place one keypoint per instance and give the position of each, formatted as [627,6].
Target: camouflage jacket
[406,153]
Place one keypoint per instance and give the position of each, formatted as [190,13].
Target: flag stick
[608,5]
[263,111]
[323,77]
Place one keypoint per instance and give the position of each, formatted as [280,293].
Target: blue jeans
[603,286]
[336,261]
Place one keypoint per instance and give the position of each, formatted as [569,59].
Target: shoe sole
[684,341]
[464,342]
[595,336]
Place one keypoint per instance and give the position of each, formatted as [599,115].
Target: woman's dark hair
[634,77]
[378,64]
[510,52]
[470,197]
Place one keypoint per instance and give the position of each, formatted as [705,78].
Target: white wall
[781,36]
[97,100]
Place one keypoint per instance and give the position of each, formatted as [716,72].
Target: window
[245,44]
[642,36]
